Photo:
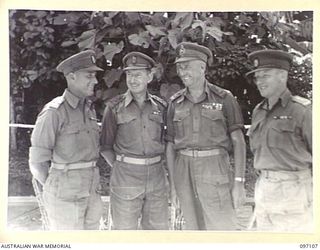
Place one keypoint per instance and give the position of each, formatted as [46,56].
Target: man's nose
[94,80]
[131,79]
[182,72]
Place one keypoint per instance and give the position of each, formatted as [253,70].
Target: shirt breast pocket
[128,128]
[180,122]
[69,140]
[125,118]
[214,122]
[76,136]
[155,127]
[281,134]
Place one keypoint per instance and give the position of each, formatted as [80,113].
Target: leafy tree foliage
[40,39]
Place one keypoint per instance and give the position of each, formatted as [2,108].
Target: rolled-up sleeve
[108,129]
[44,136]
[307,128]
[233,113]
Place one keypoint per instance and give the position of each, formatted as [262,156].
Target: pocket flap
[212,114]
[125,118]
[286,126]
[72,129]
[156,117]
[179,115]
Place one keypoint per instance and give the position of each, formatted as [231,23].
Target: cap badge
[256,62]
[93,59]
[182,50]
[134,60]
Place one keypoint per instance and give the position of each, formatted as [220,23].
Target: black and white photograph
[160,121]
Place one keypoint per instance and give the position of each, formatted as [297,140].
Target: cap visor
[255,70]
[91,68]
[186,59]
[132,68]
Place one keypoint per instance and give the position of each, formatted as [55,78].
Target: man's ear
[72,76]
[203,66]
[151,74]
[284,75]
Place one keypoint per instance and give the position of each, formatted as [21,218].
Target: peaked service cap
[84,60]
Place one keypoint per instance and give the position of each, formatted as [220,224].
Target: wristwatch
[240,179]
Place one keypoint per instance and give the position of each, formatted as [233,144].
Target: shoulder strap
[301,100]
[218,90]
[55,103]
[177,95]
[159,100]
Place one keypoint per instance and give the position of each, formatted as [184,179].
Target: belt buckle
[267,174]
[121,157]
[195,153]
[147,161]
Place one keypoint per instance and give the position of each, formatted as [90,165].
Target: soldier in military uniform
[204,122]
[131,142]
[65,147]
[281,141]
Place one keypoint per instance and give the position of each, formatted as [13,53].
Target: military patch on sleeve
[301,100]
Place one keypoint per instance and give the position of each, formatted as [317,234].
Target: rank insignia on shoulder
[212,105]
[283,117]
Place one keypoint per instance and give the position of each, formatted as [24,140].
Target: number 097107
[308,246]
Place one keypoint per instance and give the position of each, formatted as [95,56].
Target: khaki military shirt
[206,124]
[66,131]
[281,138]
[132,131]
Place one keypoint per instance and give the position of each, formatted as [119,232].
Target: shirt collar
[284,99]
[129,98]
[206,88]
[206,93]
[71,98]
